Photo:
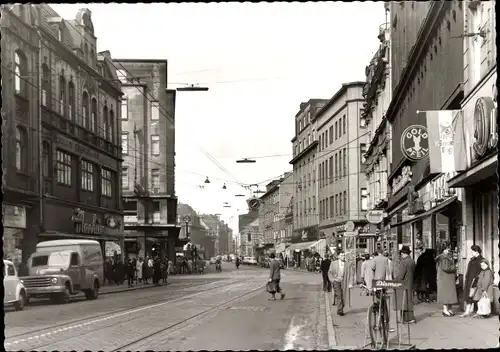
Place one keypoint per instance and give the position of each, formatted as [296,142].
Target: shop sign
[14,216]
[415,142]
[77,148]
[112,222]
[402,180]
[485,129]
[440,190]
[130,219]
[375,216]
[82,227]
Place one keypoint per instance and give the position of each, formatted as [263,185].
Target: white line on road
[112,316]
[291,335]
[332,339]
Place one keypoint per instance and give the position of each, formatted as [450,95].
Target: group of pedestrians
[142,271]
[430,273]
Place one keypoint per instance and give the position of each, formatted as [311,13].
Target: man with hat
[404,302]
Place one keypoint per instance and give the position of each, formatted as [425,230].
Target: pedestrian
[484,289]
[360,259]
[325,266]
[145,270]
[426,275]
[156,271]
[390,273]
[275,277]
[108,271]
[342,278]
[130,272]
[404,297]
[170,267]
[381,266]
[138,267]
[446,278]
[368,273]
[473,270]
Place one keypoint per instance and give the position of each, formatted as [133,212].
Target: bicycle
[378,317]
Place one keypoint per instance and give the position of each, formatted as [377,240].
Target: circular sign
[482,125]
[186,218]
[349,226]
[111,222]
[415,142]
[375,216]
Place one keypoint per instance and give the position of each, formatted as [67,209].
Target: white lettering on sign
[90,229]
[415,142]
[439,188]
[402,180]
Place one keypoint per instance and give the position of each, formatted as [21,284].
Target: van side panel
[93,261]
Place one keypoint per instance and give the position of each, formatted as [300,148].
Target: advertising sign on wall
[415,142]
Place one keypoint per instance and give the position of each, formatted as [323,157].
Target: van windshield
[53,259]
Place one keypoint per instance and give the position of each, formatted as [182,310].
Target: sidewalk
[432,330]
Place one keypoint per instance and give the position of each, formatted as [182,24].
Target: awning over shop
[484,169]
[280,248]
[301,246]
[429,212]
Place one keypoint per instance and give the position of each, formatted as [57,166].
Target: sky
[259,61]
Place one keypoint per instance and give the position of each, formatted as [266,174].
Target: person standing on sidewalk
[406,269]
[337,275]
[130,272]
[275,277]
[325,266]
[381,266]
[484,288]
[138,266]
[473,270]
[446,278]
[425,275]
[390,274]
[368,273]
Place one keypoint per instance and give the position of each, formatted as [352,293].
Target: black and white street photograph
[250,176]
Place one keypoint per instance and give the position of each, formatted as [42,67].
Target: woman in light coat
[446,278]
[138,268]
[484,284]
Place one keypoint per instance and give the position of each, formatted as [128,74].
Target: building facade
[249,234]
[377,93]
[476,154]
[194,229]
[305,145]
[148,144]
[342,144]
[61,110]
[424,35]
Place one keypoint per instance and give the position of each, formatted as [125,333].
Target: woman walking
[484,289]
[139,265]
[473,270]
[446,277]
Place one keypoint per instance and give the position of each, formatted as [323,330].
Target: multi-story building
[305,143]
[194,229]
[148,144]
[60,115]
[377,93]
[213,223]
[424,36]
[343,137]
[476,153]
[249,234]
[272,209]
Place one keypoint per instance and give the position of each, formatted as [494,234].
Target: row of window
[66,100]
[155,178]
[155,110]
[327,137]
[155,144]
[333,168]
[334,206]
[64,172]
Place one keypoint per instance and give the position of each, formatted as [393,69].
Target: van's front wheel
[92,293]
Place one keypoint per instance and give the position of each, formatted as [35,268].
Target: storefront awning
[280,248]
[475,174]
[302,246]
[436,209]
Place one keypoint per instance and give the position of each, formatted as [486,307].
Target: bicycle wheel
[384,322]
[372,325]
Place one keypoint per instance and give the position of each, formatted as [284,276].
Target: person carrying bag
[484,290]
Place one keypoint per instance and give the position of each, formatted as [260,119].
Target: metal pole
[40,135]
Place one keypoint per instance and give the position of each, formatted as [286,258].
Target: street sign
[375,216]
[349,226]
[394,284]
[415,142]
[186,218]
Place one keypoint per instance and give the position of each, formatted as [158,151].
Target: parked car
[15,292]
[213,260]
[61,268]
[252,261]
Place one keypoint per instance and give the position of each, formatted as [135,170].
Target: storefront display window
[442,230]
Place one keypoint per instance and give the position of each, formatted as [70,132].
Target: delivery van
[62,268]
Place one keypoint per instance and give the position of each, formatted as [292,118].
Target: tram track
[33,335]
[110,319]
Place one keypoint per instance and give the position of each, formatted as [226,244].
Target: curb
[332,338]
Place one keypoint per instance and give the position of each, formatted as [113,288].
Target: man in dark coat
[404,302]
[325,266]
[473,270]
[130,272]
[156,271]
[425,275]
